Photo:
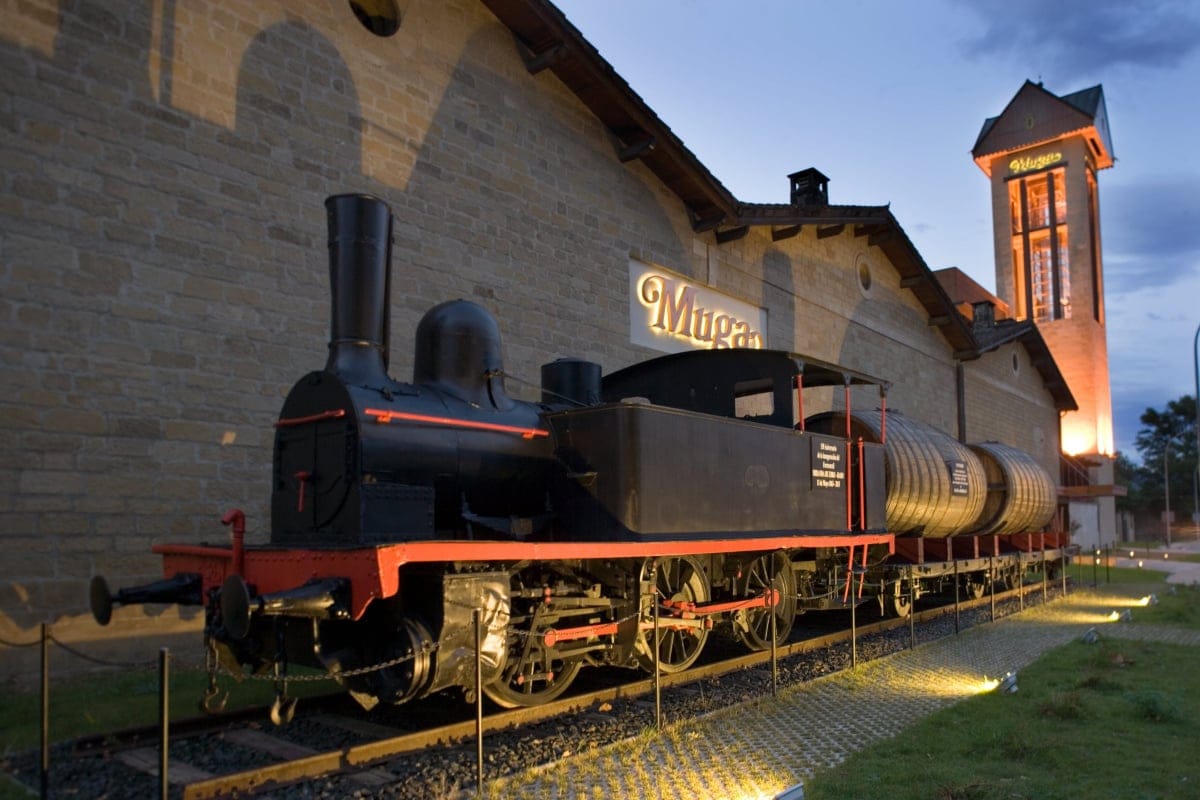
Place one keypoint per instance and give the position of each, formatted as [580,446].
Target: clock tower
[1043,154]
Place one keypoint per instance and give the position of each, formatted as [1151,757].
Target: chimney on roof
[809,188]
[983,315]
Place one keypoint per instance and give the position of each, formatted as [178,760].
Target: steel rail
[364,756]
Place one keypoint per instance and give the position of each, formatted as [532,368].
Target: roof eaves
[1027,334]
[550,41]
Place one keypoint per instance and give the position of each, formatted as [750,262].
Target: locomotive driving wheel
[897,601]
[772,571]
[530,679]
[679,580]
[533,673]
[975,586]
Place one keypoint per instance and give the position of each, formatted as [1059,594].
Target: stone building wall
[165,272]
[1007,402]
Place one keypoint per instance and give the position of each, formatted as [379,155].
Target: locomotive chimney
[360,255]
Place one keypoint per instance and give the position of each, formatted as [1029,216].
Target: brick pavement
[760,749]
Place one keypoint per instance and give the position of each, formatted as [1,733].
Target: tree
[1171,432]
[1130,474]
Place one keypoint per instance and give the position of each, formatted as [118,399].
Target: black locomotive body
[400,512]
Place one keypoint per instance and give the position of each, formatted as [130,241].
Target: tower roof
[1036,116]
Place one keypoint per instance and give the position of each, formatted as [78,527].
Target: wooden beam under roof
[707,222]
[829,230]
[911,281]
[635,147]
[732,234]
[785,232]
[879,237]
[535,62]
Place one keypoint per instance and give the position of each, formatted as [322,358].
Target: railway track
[256,760]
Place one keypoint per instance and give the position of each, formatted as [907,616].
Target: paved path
[1180,572]
[760,749]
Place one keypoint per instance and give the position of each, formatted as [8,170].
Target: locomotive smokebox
[360,254]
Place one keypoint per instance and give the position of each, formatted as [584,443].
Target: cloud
[1151,233]
[1074,39]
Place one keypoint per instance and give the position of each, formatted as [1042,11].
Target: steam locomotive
[691,487]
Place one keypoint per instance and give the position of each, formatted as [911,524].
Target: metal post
[956,628]
[1095,566]
[853,633]
[478,619]
[1108,564]
[992,583]
[1196,477]
[1167,492]
[912,611]
[1045,571]
[45,775]
[164,720]
[774,645]
[1020,581]
[657,683]
[1064,570]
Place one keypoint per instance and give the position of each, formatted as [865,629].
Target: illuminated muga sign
[670,314]
[1031,163]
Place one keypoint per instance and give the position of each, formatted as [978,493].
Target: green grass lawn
[1117,719]
[1087,574]
[112,701]
[115,700]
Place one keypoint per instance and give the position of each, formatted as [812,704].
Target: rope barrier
[7,643]
[147,664]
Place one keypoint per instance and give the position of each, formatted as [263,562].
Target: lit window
[1041,267]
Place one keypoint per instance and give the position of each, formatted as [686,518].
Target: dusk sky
[887,99]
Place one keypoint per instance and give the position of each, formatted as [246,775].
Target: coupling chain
[349,673]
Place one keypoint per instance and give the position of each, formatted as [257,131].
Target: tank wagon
[690,485]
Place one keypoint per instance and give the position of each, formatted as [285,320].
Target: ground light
[1091,636]
[792,793]
[1006,685]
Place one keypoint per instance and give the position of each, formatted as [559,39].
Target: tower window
[1038,209]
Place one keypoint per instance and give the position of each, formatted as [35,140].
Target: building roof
[1036,116]
[991,328]
[547,40]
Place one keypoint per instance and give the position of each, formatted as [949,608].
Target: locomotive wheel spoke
[753,626]
[678,579]
[534,675]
